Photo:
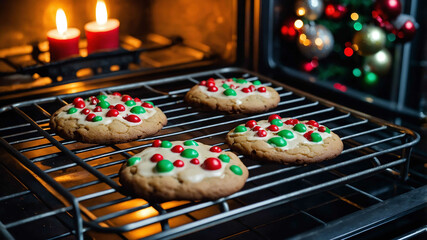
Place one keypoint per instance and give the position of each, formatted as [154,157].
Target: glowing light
[375,35]
[318,42]
[101,13]
[393,3]
[302,37]
[355,47]
[298,24]
[357,72]
[357,26]
[340,87]
[284,30]
[306,42]
[301,11]
[354,16]
[391,37]
[330,10]
[409,25]
[348,52]
[348,44]
[371,78]
[61,21]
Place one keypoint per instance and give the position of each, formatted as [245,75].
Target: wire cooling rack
[78,183]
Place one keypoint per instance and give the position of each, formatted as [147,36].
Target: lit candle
[63,41]
[104,33]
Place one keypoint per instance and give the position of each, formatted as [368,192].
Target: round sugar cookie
[107,119]
[183,170]
[233,96]
[287,141]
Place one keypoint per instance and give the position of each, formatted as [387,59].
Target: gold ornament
[369,40]
[310,9]
[315,41]
[379,62]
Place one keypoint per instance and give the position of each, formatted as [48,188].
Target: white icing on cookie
[113,101]
[237,87]
[295,142]
[189,172]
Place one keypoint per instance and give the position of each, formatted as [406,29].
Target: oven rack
[79,182]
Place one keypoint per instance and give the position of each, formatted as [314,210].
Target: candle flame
[61,21]
[101,13]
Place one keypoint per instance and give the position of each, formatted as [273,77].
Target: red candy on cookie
[157,143]
[312,123]
[215,149]
[112,113]
[212,164]
[292,121]
[133,118]
[178,163]
[156,157]
[251,123]
[120,107]
[274,116]
[177,149]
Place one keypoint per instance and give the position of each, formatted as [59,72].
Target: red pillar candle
[102,34]
[63,41]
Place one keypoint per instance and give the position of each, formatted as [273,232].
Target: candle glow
[61,21]
[101,13]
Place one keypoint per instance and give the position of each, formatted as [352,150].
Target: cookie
[183,170]
[287,141]
[233,96]
[107,119]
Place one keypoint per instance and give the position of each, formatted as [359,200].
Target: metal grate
[79,182]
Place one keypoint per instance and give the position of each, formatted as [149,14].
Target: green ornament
[102,97]
[299,127]
[152,104]
[230,92]
[72,110]
[236,170]
[240,128]
[130,103]
[103,104]
[241,80]
[276,122]
[133,160]
[164,166]
[190,143]
[257,82]
[286,134]
[224,158]
[315,137]
[277,141]
[166,144]
[137,110]
[97,119]
[189,153]
[225,86]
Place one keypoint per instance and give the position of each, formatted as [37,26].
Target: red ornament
[215,149]
[76,100]
[312,123]
[178,163]
[335,11]
[256,128]
[262,89]
[273,128]
[195,161]
[80,104]
[251,123]
[147,105]
[137,99]
[85,111]
[202,83]
[133,118]
[246,90]
[117,94]
[112,113]
[262,133]
[120,107]
[292,121]
[90,116]
[322,129]
[126,98]
[288,30]
[212,164]
[405,27]
[308,135]
[177,149]
[157,143]
[387,9]
[213,89]
[274,116]
[156,158]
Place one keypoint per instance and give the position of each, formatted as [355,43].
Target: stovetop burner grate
[78,183]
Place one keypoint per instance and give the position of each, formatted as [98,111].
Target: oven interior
[73,187]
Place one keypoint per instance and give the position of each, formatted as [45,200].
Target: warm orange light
[61,21]
[101,13]
[298,24]
[301,11]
